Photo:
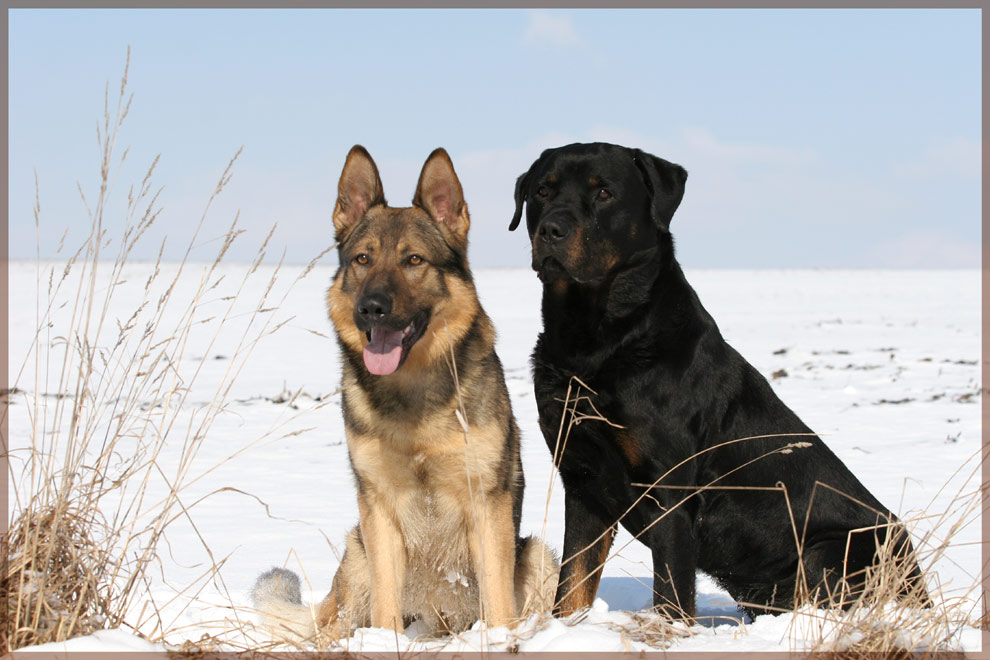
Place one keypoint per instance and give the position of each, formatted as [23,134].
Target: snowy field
[885,365]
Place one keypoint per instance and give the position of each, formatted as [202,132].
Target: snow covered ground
[885,365]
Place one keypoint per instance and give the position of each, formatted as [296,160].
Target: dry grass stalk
[93,492]
[884,624]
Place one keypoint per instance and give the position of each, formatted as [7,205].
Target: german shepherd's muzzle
[390,336]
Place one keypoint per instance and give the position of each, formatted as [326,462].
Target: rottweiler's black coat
[686,413]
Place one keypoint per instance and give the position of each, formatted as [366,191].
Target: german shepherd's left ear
[665,181]
[359,189]
[439,193]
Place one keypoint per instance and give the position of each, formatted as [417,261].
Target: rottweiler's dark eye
[362,259]
[415,260]
[603,195]
[542,191]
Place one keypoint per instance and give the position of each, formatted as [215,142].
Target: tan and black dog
[432,441]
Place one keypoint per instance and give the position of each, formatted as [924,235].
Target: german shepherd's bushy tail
[277,597]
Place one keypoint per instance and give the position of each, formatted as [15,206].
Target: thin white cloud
[704,142]
[955,157]
[551,28]
[695,144]
[924,248]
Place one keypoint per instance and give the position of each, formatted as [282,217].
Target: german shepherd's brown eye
[542,191]
[362,259]
[603,195]
[415,260]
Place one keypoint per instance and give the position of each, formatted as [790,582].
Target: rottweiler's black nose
[374,306]
[553,229]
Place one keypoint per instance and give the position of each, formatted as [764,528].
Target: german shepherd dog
[700,460]
[431,438]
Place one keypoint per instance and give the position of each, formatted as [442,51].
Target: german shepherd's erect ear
[439,193]
[359,189]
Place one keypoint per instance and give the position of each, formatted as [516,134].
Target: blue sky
[813,138]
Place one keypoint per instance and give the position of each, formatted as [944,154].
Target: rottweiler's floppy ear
[439,193]
[521,184]
[665,181]
[359,189]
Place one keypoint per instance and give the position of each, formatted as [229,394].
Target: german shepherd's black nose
[374,306]
[553,229]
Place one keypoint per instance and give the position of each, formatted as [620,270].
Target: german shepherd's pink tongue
[383,354]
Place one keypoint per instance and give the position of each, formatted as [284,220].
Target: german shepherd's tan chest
[430,476]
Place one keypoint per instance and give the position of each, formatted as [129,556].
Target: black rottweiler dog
[680,439]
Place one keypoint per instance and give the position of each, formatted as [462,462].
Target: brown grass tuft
[885,625]
[56,582]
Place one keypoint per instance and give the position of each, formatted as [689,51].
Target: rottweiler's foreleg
[588,537]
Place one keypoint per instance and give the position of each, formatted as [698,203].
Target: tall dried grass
[885,623]
[93,495]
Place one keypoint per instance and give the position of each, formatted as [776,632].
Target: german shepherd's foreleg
[386,559]
[492,540]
